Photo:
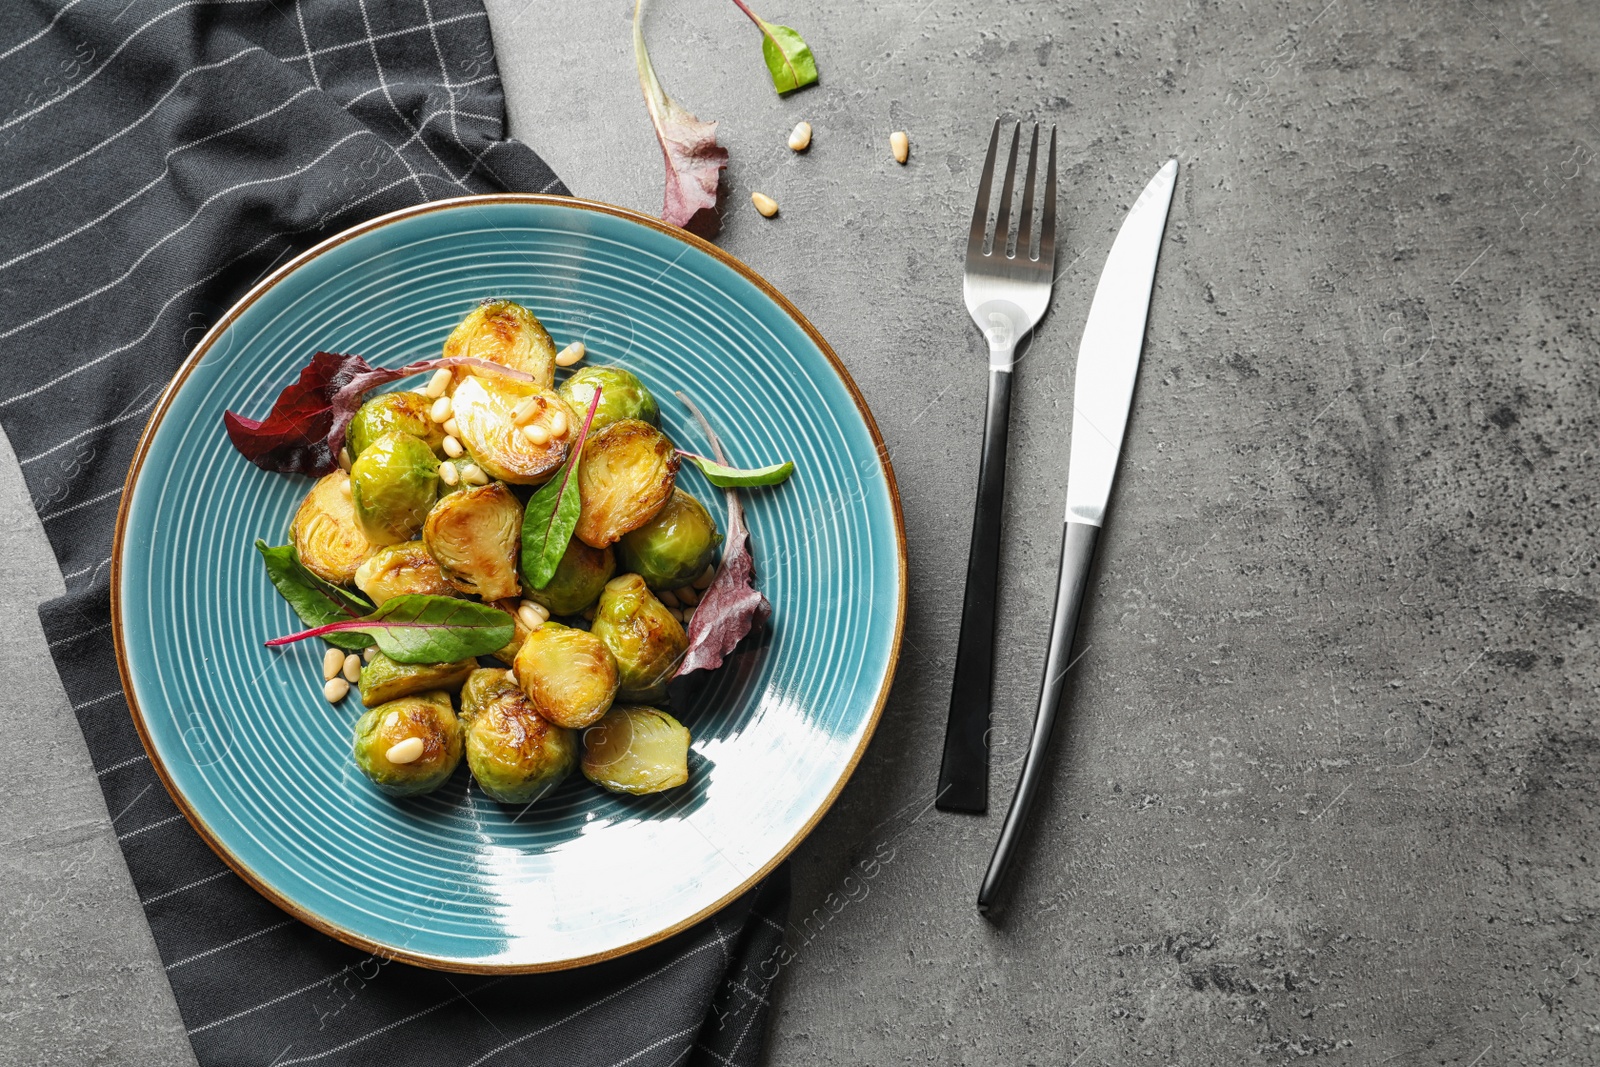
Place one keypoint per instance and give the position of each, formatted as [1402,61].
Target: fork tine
[980,212]
[1025,216]
[1047,220]
[1002,218]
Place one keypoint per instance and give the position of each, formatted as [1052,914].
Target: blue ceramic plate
[261,765]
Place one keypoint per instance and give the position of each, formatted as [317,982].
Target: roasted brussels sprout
[516,755]
[395,570]
[569,675]
[622,396]
[383,680]
[325,533]
[474,536]
[504,332]
[406,412]
[626,477]
[673,548]
[636,750]
[484,409]
[579,577]
[409,746]
[392,485]
[646,640]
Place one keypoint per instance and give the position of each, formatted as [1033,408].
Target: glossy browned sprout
[484,409]
[579,577]
[675,547]
[626,476]
[387,412]
[646,641]
[515,754]
[636,750]
[383,680]
[395,570]
[387,748]
[325,533]
[504,332]
[569,675]
[393,484]
[474,536]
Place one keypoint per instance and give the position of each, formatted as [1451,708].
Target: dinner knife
[1108,365]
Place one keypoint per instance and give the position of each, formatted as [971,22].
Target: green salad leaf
[552,512]
[789,58]
[316,601]
[421,628]
[725,477]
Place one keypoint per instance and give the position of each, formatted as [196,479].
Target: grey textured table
[1329,779]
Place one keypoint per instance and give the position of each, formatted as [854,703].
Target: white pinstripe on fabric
[122,764]
[387,35]
[86,633]
[124,417]
[197,883]
[98,700]
[25,42]
[311,63]
[279,999]
[81,505]
[175,964]
[158,824]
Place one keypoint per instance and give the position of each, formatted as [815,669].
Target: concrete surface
[1328,785]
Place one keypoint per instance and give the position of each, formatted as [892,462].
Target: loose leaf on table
[304,431]
[421,628]
[316,601]
[552,512]
[693,157]
[730,607]
[789,58]
[725,477]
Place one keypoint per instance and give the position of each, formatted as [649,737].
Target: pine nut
[676,614]
[666,597]
[407,751]
[529,618]
[344,487]
[527,410]
[764,204]
[800,137]
[536,433]
[438,384]
[704,581]
[544,612]
[900,146]
[391,720]
[511,676]
[440,412]
[345,462]
[688,595]
[448,473]
[332,664]
[352,668]
[452,427]
[369,653]
[558,423]
[688,617]
[452,448]
[335,690]
[473,474]
[571,354]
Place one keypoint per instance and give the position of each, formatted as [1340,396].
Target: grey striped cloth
[158,157]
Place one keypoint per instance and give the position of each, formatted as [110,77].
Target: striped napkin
[159,157]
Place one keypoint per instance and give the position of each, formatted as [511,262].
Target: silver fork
[1007,286]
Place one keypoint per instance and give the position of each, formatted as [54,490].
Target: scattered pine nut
[438,384]
[900,146]
[407,751]
[344,487]
[704,581]
[451,427]
[529,618]
[440,412]
[527,410]
[688,595]
[473,474]
[332,664]
[335,690]
[352,668]
[571,354]
[536,433]
[448,473]
[800,137]
[558,423]
[344,460]
[452,447]
[764,204]
[369,654]
[666,597]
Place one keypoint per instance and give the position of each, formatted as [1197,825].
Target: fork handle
[964,772]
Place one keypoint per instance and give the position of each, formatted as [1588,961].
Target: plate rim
[202,348]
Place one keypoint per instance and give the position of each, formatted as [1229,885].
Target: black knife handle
[964,772]
[1077,553]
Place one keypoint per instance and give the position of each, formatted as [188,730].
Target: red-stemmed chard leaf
[304,431]
[730,607]
[693,157]
[789,59]
[421,628]
[552,512]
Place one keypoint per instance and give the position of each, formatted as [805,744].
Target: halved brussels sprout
[626,477]
[636,750]
[516,756]
[395,570]
[474,536]
[387,412]
[483,410]
[409,746]
[569,675]
[647,642]
[675,547]
[579,577]
[392,485]
[325,533]
[622,396]
[504,332]
[383,680]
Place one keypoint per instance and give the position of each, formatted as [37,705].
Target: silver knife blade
[1108,356]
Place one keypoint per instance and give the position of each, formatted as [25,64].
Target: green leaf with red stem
[552,513]
[419,628]
[789,58]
